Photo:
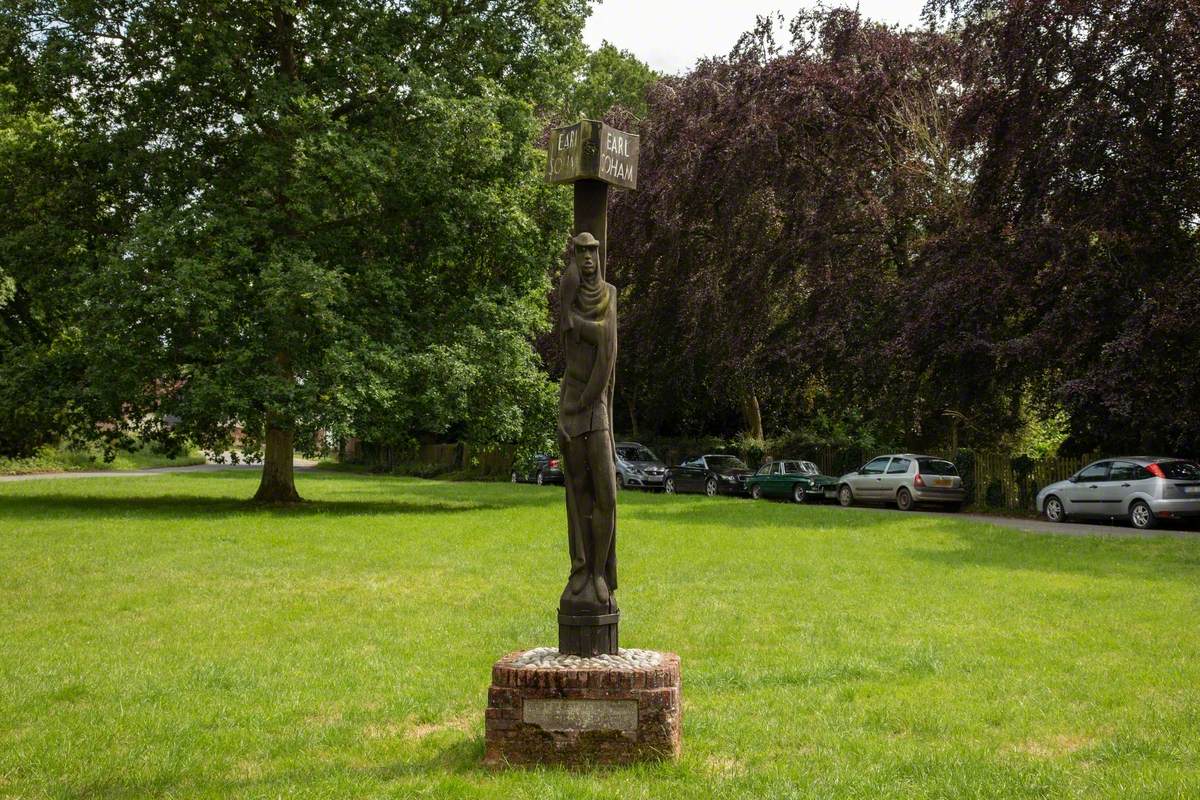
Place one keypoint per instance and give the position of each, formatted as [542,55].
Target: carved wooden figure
[587,609]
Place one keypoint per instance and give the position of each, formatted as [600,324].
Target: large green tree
[610,78]
[325,215]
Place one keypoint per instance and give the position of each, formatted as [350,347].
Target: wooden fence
[1001,481]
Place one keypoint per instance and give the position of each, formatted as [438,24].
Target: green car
[798,480]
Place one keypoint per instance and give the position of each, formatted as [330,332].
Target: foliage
[320,215]
[52,202]
[964,462]
[610,78]
[752,449]
[1082,233]
[774,226]
[50,458]
[959,231]
[189,644]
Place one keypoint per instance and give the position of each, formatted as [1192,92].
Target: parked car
[712,474]
[1140,489]
[795,479]
[540,468]
[904,479]
[637,466]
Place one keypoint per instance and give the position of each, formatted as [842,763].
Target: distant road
[1045,526]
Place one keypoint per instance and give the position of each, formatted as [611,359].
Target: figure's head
[587,253]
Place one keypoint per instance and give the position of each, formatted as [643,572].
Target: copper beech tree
[936,234]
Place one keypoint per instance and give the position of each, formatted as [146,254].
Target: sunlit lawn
[160,637]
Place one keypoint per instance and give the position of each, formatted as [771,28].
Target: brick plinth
[596,725]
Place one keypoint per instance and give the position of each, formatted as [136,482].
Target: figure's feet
[601,587]
[578,580]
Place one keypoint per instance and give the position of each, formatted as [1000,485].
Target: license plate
[1192,489]
[831,492]
[942,482]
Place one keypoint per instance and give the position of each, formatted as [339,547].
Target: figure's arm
[591,332]
[606,350]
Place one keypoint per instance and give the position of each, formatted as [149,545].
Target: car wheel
[514,477]
[669,486]
[798,493]
[904,500]
[756,492]
[710,487]
[1054,510]
[541,479]
[845,496]
[1140,515]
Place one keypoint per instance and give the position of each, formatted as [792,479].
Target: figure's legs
[579,508]
[603,527]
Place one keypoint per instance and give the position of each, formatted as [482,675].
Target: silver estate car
[637,466]
[904,479]
[1138,488]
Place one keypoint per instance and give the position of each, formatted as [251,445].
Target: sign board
[581,715]
[591,149]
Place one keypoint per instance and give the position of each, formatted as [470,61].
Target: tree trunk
[632,416]
[278,484]
[753,414]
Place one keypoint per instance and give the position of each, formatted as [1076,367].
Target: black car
[540,468]
[712,474]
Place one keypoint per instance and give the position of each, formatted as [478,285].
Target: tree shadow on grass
[181,506]
[737,513]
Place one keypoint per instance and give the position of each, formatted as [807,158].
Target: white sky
[670,35]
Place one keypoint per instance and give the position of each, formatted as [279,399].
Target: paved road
[1044,526]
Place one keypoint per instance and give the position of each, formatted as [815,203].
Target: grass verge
[162,637]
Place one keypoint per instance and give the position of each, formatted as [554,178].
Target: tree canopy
[967,229]
[305,216]
[610,78]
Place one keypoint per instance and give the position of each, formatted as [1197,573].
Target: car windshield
[800,468]
[935,466]
[636,454]
[1181,470]
[724,463]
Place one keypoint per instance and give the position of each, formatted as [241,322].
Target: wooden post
[591,215]
[592,156]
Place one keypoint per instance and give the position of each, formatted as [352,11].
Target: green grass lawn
[160,637]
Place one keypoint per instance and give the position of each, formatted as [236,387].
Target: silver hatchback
[904,479]
[1140,489]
